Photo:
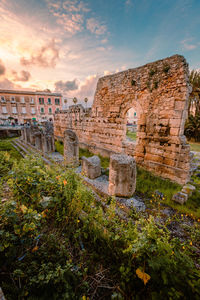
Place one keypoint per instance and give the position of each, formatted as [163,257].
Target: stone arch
[161,89]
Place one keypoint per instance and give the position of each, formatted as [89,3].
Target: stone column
[122,175]
[71,148]
[22,134]
[38,142]
[28,134]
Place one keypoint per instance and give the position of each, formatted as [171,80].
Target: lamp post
[75,100]
[65,101]
[86,100]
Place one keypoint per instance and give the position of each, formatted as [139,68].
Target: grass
[6,145]
[195,146]
[59,147]
[131,135]
[147,184]
[83,152]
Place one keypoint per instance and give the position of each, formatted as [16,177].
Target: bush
[58,243]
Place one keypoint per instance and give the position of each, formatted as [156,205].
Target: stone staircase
[28,149]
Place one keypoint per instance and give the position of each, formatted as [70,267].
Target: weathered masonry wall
[159,92]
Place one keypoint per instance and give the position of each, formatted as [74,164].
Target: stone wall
[159,92]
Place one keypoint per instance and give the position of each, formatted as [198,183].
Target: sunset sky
[67,45]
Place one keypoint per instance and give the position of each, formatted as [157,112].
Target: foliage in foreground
[5,145]
[58,243]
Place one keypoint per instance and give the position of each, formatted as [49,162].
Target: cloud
[8,85]
[187,45]
[65,86]
[2,68]
[47,56]
[69,14]
[95,27]
[128,3]
[23,76]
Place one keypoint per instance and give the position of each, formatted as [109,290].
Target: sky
[67,45]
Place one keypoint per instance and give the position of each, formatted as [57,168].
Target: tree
[194,100]
[192,127]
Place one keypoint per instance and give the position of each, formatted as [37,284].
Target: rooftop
[45,93]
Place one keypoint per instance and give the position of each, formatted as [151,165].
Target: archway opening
[131,124]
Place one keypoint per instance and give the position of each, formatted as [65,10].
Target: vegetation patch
[6,145]
[131,135]
[57,243]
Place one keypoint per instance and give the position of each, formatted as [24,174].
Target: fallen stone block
[188,189]
[180,197]
[91,166]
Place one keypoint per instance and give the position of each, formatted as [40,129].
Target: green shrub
[56,239]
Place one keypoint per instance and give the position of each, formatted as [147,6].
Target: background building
[23,106]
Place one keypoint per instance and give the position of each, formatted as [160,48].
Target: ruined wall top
[153,79]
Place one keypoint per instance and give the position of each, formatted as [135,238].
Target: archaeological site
[159,92]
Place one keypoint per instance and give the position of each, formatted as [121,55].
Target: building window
[23,110]
[57,110]
[42,110]
[14,110]
[12,99]
[3,99]
[4,110]
[41,100]
[57,101]
[135,114]
[32,101]
[22,100]
[33,110]
[50,110]
[49,101]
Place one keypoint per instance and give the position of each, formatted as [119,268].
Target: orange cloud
[46,56]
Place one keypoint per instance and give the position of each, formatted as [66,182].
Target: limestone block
[180,197]
[91,166]
[188,189]
[175,123]
[122,175]
[71,147]
[174,131]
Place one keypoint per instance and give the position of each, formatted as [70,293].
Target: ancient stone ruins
[39,136]
[159,92]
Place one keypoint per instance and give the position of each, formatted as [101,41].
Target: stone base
[91,166]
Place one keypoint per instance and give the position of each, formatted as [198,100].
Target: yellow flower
[172,252]
[183,247]
[143,276]
[23,208]
[191,243]
[35,249]
[78,221]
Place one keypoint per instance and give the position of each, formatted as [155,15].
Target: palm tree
[194,99]
[65,101]
[75,100]
[192,128]
[86,100]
